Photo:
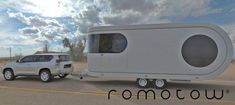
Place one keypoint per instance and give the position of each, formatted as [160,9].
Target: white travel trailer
[159,52]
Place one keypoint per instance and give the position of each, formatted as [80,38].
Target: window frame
[38,57]
[98,36]
[21,60]
[187,46]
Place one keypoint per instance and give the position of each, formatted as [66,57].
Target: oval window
[107,43]
[199,50]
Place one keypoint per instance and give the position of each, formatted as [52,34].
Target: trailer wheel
[159,83]
[142,82]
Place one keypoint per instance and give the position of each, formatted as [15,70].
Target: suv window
[64,58]
[28,59]
[44,58]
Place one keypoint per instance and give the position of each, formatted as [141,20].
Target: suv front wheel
[9,75]
[45,76]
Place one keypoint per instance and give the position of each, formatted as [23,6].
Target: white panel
[154,51]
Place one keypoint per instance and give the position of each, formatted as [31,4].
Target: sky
[26,25]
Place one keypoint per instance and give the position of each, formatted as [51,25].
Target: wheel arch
[7,68]
[42,69]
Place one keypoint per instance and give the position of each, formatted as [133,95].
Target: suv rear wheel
[45,76]
[9,75]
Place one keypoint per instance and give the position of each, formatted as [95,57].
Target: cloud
[232,10]
[153,11]
[88,17]
[230,29]
[142,6]
[89,13]
[47,8]
[15,40]
[97,11]
[52,20]
[35,21]
[40,28]
[29,31]
[124,17]
[184,8]
[121,12]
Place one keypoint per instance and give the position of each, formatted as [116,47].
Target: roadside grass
[5,60]
[79,66]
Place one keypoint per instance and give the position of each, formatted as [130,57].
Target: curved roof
[151,26]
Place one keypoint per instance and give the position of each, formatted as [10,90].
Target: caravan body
[161,51]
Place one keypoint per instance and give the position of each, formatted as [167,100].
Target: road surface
[94,91]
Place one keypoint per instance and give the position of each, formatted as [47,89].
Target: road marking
[103,94]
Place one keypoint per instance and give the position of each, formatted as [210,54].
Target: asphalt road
[94,91]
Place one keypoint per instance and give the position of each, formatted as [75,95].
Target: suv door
[27,65]
[43,61]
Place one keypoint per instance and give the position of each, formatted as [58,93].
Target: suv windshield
[64,58]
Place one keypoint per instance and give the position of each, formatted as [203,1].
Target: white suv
[46,66]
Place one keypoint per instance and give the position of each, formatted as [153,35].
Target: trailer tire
[142,82]
[159,83]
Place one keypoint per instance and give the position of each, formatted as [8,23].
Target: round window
[199,50]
